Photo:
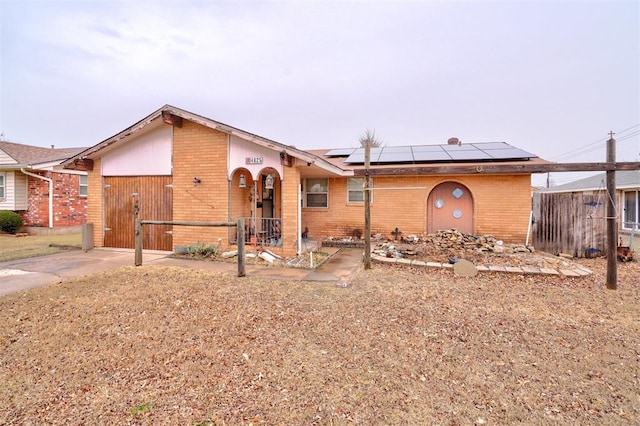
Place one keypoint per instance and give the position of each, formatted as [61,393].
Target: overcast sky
[550,77]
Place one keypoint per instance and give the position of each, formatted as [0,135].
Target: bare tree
[367,141]
[370,138]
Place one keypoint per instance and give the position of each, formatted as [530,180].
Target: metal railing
[263,231]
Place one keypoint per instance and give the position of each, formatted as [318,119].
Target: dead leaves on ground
[160,345]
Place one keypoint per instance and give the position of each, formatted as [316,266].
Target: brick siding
[201,152]
[69,208]
[501,207]
[95,209]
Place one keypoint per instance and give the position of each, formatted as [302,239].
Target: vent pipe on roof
[454,141]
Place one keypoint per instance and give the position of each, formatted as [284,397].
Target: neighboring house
[34,184]
[627,201]
[178,166]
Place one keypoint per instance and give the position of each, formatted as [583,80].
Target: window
[631,213]
[355,190]
[2,184]
[84,185]
[316,193]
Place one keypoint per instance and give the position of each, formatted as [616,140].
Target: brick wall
[95,208]
[501,207]
[69,208]
[290,186]
[200,152]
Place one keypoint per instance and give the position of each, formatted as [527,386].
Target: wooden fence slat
[569,223]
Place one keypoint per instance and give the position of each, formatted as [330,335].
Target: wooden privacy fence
[240,228]
[570,223]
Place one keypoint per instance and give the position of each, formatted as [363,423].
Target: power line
[597,144]
[629,136]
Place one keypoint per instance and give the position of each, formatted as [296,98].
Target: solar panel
[469,155]
[355,158]
[491,145]
[464,147]
[396,154]
[428,156]
[396,149]
[508,154]
[358,155]
[396,157]
[486,151]
[341,152]
[426,148]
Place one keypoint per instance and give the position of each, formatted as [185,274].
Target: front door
[450,205]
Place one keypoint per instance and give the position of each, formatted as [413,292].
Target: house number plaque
[253,160]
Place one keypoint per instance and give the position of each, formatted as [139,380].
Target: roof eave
[212,124]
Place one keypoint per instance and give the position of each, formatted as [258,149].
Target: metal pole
[612,239]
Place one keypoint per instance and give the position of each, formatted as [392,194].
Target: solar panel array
[488,151]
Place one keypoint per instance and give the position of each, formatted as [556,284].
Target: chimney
[52,146]
[454,141]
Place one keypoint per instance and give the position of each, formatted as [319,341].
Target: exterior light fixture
[268,182]
[196,180]
[243,181]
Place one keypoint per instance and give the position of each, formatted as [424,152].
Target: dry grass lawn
[160,345]
[14,248]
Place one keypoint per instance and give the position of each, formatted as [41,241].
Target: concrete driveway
[18,275]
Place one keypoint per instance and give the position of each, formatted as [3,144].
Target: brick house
[180,166]
[34,184]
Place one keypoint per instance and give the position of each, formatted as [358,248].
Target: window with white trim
[355,190]
[2,185]
[84,186]
[315,193]
[631,212]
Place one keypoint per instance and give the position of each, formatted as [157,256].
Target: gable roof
[625,179]
[121,138]
[29,155]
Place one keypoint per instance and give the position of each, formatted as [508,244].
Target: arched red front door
[450,205]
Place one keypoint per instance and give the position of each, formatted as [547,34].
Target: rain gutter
[50,192]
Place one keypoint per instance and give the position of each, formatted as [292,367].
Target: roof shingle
[29,154]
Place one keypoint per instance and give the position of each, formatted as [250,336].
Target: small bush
[10,222]
[202,250]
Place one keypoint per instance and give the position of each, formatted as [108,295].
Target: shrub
[10,221]
[202,250]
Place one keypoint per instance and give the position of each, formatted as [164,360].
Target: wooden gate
[570,223]
[130,197]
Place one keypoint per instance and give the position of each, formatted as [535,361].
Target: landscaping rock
[464,268]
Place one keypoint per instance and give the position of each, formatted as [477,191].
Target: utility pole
[367,207]
[612,237]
